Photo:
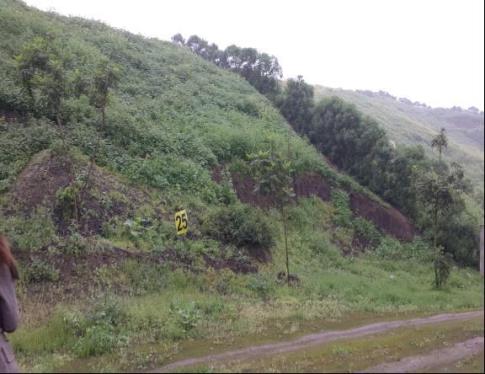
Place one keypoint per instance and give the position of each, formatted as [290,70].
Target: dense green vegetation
[358,145]
[104,135]
[414,123]
[355,143]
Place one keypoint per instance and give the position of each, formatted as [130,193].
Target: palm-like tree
[440,142]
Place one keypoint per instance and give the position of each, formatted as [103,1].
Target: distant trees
[261,70]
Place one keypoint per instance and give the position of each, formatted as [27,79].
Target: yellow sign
[181,222]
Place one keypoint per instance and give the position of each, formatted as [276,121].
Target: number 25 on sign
[181,222]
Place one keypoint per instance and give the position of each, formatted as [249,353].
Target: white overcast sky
[426,50]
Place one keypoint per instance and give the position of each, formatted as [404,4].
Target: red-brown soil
[386,218]
[103,198]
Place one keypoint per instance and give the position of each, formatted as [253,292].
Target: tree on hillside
[41,68]
[348,138]
[440,194]
[273,176]
[261,70]
[440,142]
[178,39]
[48,73]
[105,79]
[296,104]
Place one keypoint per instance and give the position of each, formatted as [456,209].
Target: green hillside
[88,205]
[415,123]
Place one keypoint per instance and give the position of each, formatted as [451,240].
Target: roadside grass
[357,354]
[473,364]
[217,309]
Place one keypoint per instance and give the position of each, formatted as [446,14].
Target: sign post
[181,223]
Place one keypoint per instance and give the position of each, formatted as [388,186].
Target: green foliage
[40,271]
[441,195]
[67,201]
[343,213]
[392,249]
[240,225]
[187,316]
[30,233]
[440,142]
[259,69]
[296,104]
[366,233]
[442,268]
[415,124]
[273,176]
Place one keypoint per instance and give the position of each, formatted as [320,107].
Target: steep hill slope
[172,119]
[415,123]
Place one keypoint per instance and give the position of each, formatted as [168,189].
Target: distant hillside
[408,122]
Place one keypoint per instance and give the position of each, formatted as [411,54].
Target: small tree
[440,142]
[440,194]
[106,78]
[273,176]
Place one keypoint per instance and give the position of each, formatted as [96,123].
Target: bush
[239,225]
[341,202]
[102,330]
[442,268]
[40,271]
[366,233]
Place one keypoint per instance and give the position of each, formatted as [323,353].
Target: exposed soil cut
[245,191]
[103,198]
[39,182]
[311,184]
[316,339]
[389,220]
[436,358]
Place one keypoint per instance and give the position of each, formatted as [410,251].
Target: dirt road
[316,339]
[435,358]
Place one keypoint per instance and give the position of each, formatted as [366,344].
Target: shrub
[261,286]
[366,233]
[102,330]
[187,316]
[30,233]
[239,225]
[341,202]
[442,268]
[40,271]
